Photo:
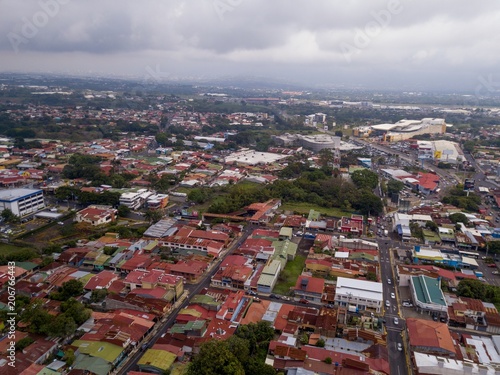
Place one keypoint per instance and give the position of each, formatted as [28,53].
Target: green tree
[123,210]
[62,326]
[69,357]
[394,187]
[493,247]
[9,216]
[432,226]
[215,358]
[320,343]
[24,343]
[364,178]
[153,216]
[98,295]
[328,360]
[71,288]
[161,138]
[459,217]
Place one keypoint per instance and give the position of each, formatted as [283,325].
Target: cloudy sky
[409,44]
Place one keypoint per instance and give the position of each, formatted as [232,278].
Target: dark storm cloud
[316,41]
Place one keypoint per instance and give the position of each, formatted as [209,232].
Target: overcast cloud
[420,44]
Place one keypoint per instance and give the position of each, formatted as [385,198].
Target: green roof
[285,248]
[101,259]
[27,265]
[105,350]
[431,235]
[157,359]
[86,278]
[189,326]
[204,299]
[313,215]
[286,231]
[192,312]
[94,364]
[150,246]
[427,290]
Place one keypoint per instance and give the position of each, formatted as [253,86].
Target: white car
[400,347]
[396,321]
[393,295]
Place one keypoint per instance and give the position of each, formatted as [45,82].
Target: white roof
[359,288]
[429,364]
[342,254]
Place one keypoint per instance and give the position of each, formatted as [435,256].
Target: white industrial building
[22,202]
[359,294]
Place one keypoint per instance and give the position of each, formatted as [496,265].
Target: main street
[169,320]
[394,324]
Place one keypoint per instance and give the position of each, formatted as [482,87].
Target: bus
[469,254]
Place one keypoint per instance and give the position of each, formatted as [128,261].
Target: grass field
[7,249]
[289,275]
[304,208]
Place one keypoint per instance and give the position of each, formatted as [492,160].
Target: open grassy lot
[304,208]
[8,249]
[289,275]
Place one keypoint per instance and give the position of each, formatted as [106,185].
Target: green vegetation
[459,217]
[11,253]
[317,187]
[304,208]
[456,196]
[365,179]
[479,290]
[8,216]
[243,353]
[288,277]
[394,187]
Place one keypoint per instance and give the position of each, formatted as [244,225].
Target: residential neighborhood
[184,234]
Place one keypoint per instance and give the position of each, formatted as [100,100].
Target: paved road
[397,359]
[169,321]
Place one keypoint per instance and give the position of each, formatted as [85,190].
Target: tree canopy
[364,178]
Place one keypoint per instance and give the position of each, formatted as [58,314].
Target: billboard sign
[469,184]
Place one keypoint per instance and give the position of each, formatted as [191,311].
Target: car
[407,304]
[492,265]
[396,320]
[393,295]
[274,296]
[387,303]
[400,347]
[60,223]
[285,298]
[304,301]
[495,273]
[435,318]
[389,281]
[329,306]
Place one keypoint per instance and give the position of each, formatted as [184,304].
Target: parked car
[329,306]
[393,295]
[400,347]
[304,301]
[387,303]
[396,320]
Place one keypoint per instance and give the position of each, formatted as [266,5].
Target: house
[269,276]
[353,225]
[309,288]
[102,280]
[97,215]
[430,337]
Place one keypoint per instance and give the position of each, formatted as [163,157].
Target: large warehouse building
[22,202]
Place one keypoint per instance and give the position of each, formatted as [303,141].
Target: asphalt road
[169,321]
[397,359]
